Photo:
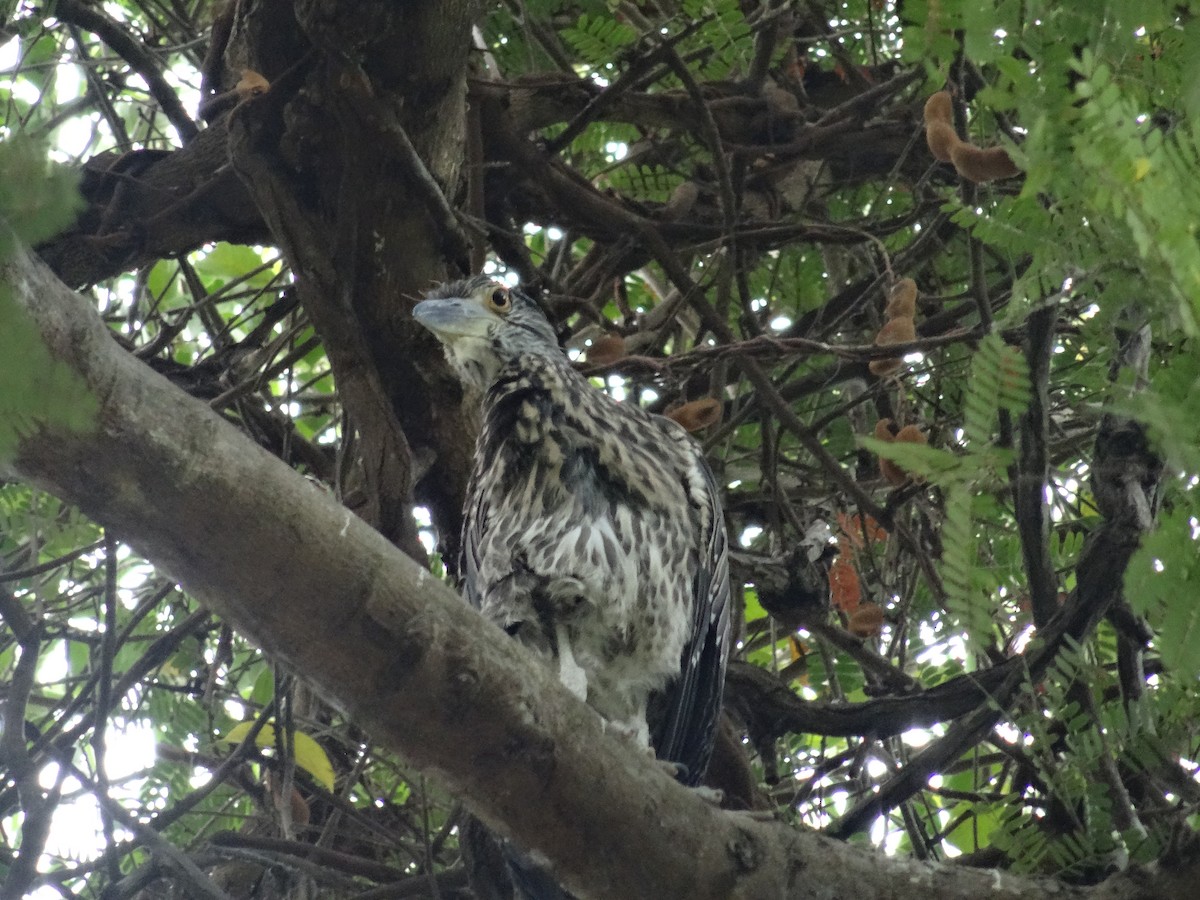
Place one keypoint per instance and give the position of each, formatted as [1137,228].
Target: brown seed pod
[299,808]
[884,367]
[979,165]
[939,108]
[939,126]
[897,331]
[606,349]
[902,300]
[698,414]
[892,473]
[251,84]
[866,621]
[885,431]
[900,330]
[941,139]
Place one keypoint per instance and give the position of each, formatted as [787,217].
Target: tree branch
[134,52]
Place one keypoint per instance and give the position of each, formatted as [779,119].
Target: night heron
[593,530]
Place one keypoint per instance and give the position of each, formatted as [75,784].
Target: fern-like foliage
[600,40]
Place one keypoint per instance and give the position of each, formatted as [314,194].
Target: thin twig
[134,52]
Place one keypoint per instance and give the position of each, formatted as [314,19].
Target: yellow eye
[499,301]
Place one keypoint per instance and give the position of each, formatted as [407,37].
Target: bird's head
[484,325]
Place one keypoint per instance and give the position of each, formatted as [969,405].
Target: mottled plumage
[593,530]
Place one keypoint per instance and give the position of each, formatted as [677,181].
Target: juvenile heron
[593,530]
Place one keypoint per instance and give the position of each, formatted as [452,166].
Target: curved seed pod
[900,330]
[939,126]
[902,300]
[942,140]
[897,331]
[607,348]
[979,165]
[939,108]
[698,414]
[866,621]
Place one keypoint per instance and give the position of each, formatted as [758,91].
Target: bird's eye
[499,300]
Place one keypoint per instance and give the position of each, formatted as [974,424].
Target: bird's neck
[534,373]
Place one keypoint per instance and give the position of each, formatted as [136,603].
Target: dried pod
[939,108]
[606,349]
[939,126]
[867,620]
[942,140]
[900,330]
[697,415]
[299,808]
[909,434]
[885,431]
[884,367]
[902,300]
[892,473]
[897,331]
[980,166]
[251,84]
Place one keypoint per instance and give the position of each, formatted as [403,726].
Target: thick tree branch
[362,217]
[149,205]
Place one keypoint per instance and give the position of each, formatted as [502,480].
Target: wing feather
[692,703]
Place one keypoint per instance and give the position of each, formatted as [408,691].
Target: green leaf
[38,199]
[36,390]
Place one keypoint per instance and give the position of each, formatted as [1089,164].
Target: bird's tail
[498,870]
[531,881]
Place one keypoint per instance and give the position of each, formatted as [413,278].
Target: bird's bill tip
[453,317]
